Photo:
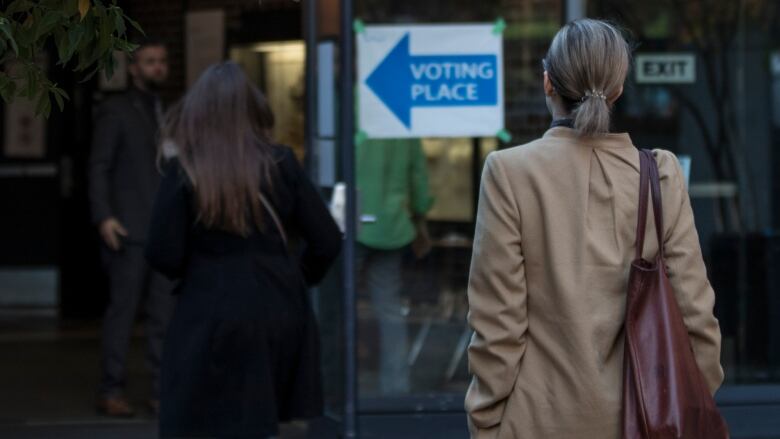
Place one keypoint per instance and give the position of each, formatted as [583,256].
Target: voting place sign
[430,81]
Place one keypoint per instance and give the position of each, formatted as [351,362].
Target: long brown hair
[221,132]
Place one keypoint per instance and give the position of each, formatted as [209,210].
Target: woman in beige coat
[554,241]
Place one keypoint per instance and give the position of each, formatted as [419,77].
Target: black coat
[242,350]
[123,175]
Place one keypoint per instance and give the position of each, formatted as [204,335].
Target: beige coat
[554,240]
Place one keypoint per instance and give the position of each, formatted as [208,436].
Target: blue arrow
[402,81]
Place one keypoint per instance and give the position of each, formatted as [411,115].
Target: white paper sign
[430,81]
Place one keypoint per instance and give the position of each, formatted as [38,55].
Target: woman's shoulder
[523,159]
[284,158]
[668,165]
[287,169]
[521,150]
[281,152]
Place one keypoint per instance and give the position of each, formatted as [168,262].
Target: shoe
[115,406]
[154,406]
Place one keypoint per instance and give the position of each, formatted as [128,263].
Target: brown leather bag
[664,393]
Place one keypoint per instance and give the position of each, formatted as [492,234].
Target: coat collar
[609,140]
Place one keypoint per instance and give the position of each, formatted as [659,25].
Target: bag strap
[270,208]
[655,188]
[644,174]
[649,184]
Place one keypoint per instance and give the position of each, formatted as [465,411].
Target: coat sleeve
[106,141]
[497,302]
[688,276]
[312,218]
[168,240]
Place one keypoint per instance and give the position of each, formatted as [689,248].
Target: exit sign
[666,68]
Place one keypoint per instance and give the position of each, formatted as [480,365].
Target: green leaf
[59,96]
[32,83]
[83,8]
[58,91]
[43,98]
[75,34]
[71,7]
[91,30]
[105,37]
[87,50]
[18,6]
[7,30]
[25,36]
[91,74]
[119,21]
[135,25]
[45,105]
[61,41]
[33,20]
[124,45]
[51,20]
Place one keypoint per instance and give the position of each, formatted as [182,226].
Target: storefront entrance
[414,366]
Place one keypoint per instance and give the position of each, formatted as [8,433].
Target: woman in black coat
[241,353]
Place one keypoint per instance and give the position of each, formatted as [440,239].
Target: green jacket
[392,181]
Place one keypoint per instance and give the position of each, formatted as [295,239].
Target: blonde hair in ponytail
[587,63]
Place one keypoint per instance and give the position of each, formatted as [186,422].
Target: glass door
[278,69]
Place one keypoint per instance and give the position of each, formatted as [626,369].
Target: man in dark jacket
[123,183]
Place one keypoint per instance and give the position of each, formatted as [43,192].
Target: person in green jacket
[392,180]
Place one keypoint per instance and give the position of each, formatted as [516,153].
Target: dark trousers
[130,280]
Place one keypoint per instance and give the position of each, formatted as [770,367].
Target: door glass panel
[278,69]
[412,334]
[709,93]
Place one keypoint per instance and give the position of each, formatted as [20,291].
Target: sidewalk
[48,380]
[49,377]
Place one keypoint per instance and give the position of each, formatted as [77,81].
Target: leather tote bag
[664,393]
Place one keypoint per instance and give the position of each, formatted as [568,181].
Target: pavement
[49,375]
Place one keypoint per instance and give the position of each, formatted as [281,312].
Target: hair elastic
[594,94]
